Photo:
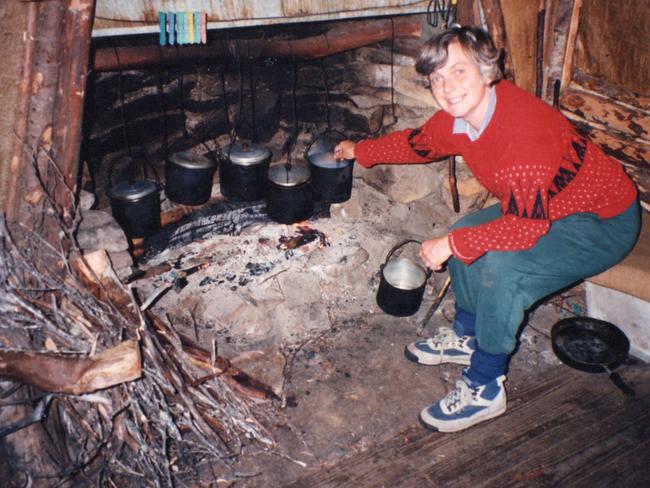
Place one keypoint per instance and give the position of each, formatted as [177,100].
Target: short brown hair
[473,40]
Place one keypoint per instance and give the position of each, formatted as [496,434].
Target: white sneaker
[466,405]
[444,347]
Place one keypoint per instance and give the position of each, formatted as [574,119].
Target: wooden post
[567,66]
[33,124]
[539,51]
[49,114]
[69,106]
[496,27]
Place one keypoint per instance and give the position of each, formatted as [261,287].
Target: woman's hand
[435,252]
[344,150]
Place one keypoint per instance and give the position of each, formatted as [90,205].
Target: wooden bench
[621,295]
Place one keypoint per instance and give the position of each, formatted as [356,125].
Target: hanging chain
[294,113]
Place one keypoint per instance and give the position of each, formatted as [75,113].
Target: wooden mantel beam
[342,37]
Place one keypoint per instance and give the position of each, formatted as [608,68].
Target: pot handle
[333,131]
[396,247]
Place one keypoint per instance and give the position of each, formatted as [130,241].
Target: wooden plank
[613,42]
[596,433]
[613,115]
[520,19]
[567,66]
[612,91]
[554,433]
[558,19]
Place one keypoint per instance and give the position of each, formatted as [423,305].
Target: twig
[38,414]
[434,305]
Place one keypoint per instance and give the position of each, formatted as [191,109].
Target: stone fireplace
[256,284]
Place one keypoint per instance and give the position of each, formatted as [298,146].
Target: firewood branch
[59,374]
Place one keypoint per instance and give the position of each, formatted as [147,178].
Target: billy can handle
[396,247]
[333,131]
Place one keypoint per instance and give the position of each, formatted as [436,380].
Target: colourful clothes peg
[180,28]
[204,27]
[162,28]
[172,28]
[190,27]
[197,27]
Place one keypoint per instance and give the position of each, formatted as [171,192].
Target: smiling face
[459,87]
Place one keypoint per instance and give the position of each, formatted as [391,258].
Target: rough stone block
[99,230]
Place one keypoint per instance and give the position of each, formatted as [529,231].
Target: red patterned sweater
[529,156]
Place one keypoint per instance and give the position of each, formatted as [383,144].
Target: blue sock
[485,367]
[464,323]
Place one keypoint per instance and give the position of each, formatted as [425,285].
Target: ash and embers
[270,285]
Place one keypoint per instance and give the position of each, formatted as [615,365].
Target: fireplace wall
[136,118]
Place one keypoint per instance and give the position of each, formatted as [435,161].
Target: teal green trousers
[501,286]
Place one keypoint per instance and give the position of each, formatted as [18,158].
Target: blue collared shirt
[461,126]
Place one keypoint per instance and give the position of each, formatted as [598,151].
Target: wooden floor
[568,429]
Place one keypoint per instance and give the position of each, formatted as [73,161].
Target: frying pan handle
[618,381]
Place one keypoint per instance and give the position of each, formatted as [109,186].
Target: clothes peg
[197,27]
[190,27]
[172,28]
[162,28]
[180,28]
[186,28]
[204,27]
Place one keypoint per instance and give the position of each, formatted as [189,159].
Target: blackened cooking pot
[243,172]
[401,285]
[289,197]
[136,207]
[188,178]
[331,178]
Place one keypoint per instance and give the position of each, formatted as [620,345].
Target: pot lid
[133,190]
[246,154]
[289,174]
[327,160]
[190,160]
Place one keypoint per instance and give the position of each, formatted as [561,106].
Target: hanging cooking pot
[136,207]
[289,196]
[592,345]
[331,178]
[188,178]
[243,172]
[402,284]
